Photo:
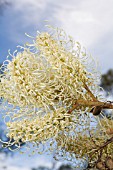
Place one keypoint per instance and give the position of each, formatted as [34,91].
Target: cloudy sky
[88,21]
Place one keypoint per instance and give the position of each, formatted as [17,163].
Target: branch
[104,105]
[103,146]
[106,143]
[97,105]
[90,93]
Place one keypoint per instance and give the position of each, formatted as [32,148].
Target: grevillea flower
[41,83]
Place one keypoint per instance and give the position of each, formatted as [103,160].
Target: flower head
[44,84]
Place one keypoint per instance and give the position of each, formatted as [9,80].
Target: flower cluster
[44,80]
[38,128]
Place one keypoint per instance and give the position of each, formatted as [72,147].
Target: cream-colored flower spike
[44,83]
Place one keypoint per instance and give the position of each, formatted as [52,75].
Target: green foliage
[65,167]
[41,168]
[107,82]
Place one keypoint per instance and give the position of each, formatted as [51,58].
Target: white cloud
[88,21]
[24,162]
[30,10]
[6,164]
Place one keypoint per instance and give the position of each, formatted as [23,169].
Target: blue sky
[88,21]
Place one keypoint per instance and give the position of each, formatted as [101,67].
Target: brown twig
[90,93]
[91,103]
[73,108]
[99,150]
[104,105]
[103,146]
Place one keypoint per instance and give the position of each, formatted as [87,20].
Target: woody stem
[105,105]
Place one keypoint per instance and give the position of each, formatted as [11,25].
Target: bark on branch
[103,105]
